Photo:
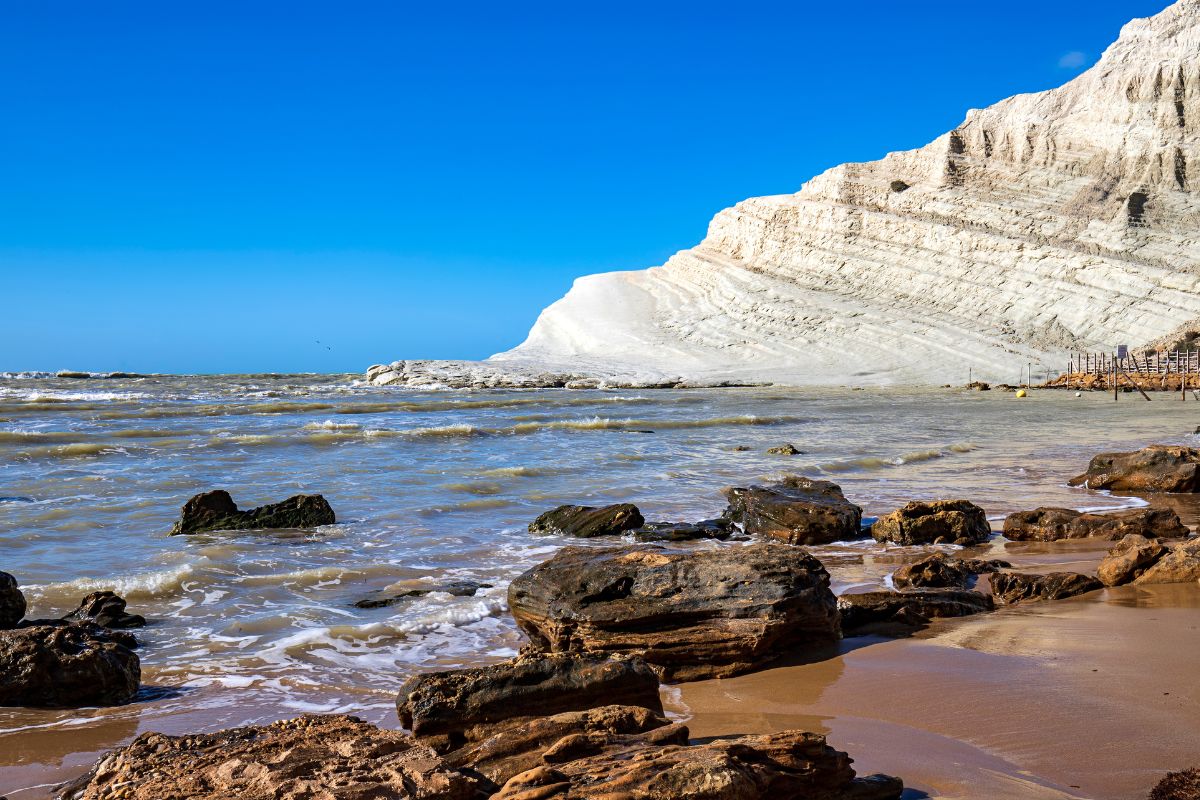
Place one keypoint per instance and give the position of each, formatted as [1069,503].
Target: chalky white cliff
[1067,219]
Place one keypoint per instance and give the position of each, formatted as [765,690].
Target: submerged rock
[1131,556]
[1157,468]
[455,588]
[1016,587]
[899,612]
[107,610]
[587,521]
[1052,524]
[12,602]
[660,765]
[691,614]
[314,757]
[64,665]
[797,510]
[216,511]
[720,528]
[785,450]
[941,571]
[516,749]
[920,522]
[468,705]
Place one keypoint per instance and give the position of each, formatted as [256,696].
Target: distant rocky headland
[1049,222]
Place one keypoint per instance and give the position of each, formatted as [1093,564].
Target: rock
[216,511]
[516,749]
[334,758]
[1157,468]
[979,386]
[742,448]
[1182,785]
[919,522]
[1052,524]
[455,588]
[889,612]
[12,602]
[785,450]
[691,614]
[586,521]
[797,510]
[1180,564]
[107,610]
[940,571]
[720,528]
[1131,556]
[1016,587]
[66,666]
[659,765]
[469,705]
[979,566]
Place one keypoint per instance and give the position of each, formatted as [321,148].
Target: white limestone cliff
[1049,222]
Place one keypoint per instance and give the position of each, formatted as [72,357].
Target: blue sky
[216,186]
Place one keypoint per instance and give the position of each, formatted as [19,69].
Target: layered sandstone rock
[948,521]
[1048,222]
[891,612]
[691,614]
[1017,587]
[216,511]
[797,510]
[1157,468]
[939,571]
[1052,524]
[51,663]
[585,522]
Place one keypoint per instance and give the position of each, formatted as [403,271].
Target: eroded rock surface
[12,602]
[1128,559]
[899,612]
[307,758]
[1053,524]
[1157,468]
[66,665]
[691,614]
[920,522]
[454,588]
[721,528]
[1016,587]
[587,521]
[939,571]
[216,511]
[106,609]
[797,510]
[1180,564]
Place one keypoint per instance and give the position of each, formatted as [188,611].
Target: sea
[434,488]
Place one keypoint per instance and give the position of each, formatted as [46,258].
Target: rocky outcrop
[12,602]
[216,511]
[107,610]
[1052,221]
[659,765]
[900,612]
[1157,468]
[453,588]
[585,522]
[1180,564]
[454,707]
[1052,524]
[691,614]
[797,510]
[720,528]
[785,450]
[939,571]
[66,665]
[1131,556]
[516,749]
[1016,587]
[310,757]
[940,521]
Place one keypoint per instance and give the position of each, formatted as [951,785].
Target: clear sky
[217,186]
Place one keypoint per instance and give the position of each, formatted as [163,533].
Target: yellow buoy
[1020,392]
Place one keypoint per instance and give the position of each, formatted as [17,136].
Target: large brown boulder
[1016,587]
[332,758]
[1157,468]
[920,522]
[585,522]
[659,766]
[1052,524]
[691,614]
[468,705]
[107,610]
[12,602]
[1180,564]
[939,571]
[797,510]
[900,612]
[516,749]
[67,666]
[1128,559]
[216,511]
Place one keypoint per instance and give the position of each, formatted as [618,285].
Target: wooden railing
[1159,362]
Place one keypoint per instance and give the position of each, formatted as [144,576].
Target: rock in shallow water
[919,522]
[1053,524]
[107,610]
[587,521]
[12,602]
[66,666]
[455,588]
[1016,587]
[691,614]
[307,758]
[939,571]
[719,528]
[902,612]
[1157,468]
[797,510]
[216,511]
